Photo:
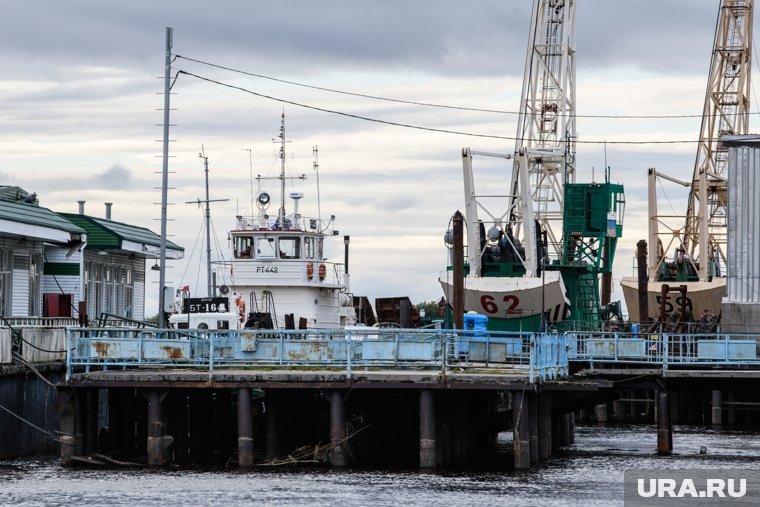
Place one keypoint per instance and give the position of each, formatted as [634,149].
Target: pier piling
[544,426]
[67,421]
[717,408]
[337,428]
[521,425]
[245,428]
[157,442]
[533,426]
[664,426]
[427,429]
[601,413]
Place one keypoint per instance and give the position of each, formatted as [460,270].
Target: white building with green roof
[50,263]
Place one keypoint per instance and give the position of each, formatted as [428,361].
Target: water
[590,473]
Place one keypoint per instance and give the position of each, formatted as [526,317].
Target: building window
[35,271]
[6,269]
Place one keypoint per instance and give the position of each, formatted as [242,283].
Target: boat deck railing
[538,357]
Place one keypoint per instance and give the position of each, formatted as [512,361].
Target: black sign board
[205,305]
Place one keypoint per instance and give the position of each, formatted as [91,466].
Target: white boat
[513,297]
[700,296]
[278,274]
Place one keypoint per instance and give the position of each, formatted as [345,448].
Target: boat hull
[700,296]
[513,298]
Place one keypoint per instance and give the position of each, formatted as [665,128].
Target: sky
[80,113]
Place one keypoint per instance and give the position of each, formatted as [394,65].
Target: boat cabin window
[290,248]
[243,247]
[308,246]
[265,248]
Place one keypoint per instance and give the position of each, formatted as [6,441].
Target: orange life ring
[309,270]
[322,271]
[241,308]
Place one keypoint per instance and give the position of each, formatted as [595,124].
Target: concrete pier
[244,428]
[338,456]
[664,426]
[427,429]
[412,419]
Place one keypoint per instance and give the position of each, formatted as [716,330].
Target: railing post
[725,336]
[348,355]
[664,353]
[68,354]
[531,357]
[211,356]
[445,350]
[140,348]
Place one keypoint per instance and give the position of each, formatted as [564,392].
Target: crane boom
[726,111]
[545,147]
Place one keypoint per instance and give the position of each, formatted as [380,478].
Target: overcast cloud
[78,97]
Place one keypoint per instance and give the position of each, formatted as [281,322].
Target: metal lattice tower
[545,148]
[726,111]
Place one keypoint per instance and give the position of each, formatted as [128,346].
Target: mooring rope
[34,370]
[29,423]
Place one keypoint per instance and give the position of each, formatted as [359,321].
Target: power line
[416,127]
[442,106]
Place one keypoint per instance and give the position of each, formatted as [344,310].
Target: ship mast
[281,213]
[726,111]
[281,155]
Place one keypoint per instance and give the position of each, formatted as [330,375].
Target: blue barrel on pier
[475,322]
[472,322]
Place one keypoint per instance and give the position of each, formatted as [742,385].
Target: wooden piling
[457,262]
[664,426]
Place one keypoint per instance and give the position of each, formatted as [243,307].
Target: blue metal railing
[539,357]
[666,349]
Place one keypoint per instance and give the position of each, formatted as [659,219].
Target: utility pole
[165,179]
